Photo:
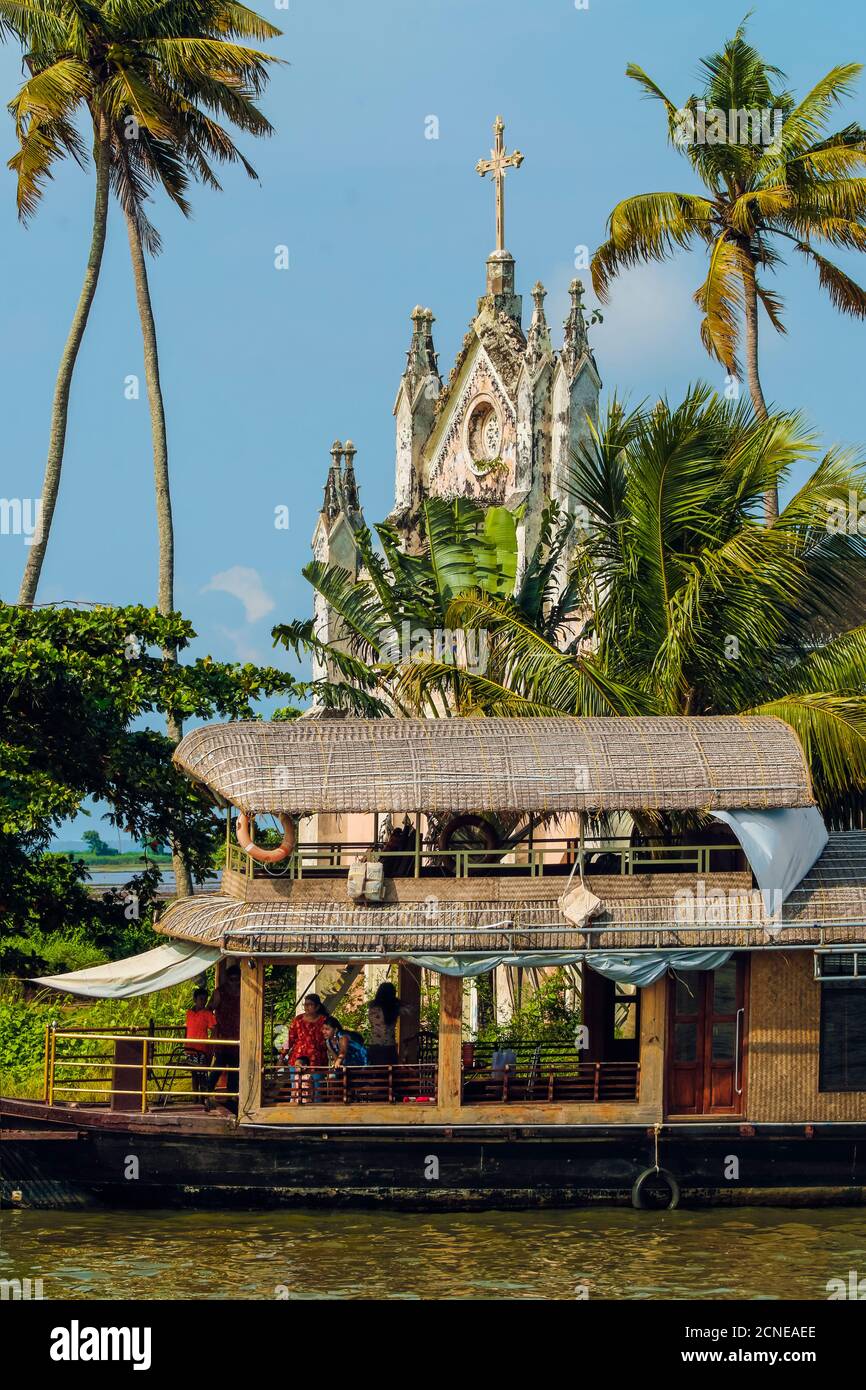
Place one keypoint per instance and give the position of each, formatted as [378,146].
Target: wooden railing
[551,1077]
[523,1082]
[332,859]
[134,1070]
[382,1085]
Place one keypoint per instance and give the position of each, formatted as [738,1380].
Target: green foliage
[24,1018]
[75,689]
[542,1015]
[167,72]
[96,844]
[405,598]
[802,187]
[678,601]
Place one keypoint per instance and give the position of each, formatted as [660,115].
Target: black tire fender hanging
[478,824]
[638,1193]
[467,822]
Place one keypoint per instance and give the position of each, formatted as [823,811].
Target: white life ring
[283,851]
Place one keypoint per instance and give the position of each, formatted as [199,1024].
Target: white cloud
[652,312]
[244,584]
[651,315]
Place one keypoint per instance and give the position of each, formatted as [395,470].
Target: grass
[25,1016]
[132,859]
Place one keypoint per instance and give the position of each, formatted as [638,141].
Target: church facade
[501,430]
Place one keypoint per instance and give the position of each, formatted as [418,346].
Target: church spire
[576,341]
[500,263]
[538,345]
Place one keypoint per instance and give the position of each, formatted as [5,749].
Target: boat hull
[56,1158]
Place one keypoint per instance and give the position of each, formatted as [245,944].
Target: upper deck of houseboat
[478,824]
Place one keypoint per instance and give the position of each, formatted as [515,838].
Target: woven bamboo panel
[650,909]
[641,910]
[501,887]
[501,912]
[784,1022]
[460,765]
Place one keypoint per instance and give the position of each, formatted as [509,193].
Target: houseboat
[679,868]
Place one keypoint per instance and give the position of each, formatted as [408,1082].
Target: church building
[501,430]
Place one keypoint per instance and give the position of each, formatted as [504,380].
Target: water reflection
[749,1253]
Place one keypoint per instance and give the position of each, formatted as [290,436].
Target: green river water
[749,1253]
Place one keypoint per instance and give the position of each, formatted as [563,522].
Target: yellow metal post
[144,1075]
[51,1068]
[47,1049]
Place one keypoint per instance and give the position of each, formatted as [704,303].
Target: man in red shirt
[226,1004]
[199,1024]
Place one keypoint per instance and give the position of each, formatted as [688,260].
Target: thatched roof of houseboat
[544,765]
[640,910]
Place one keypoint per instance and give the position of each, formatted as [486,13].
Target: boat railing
[392,1084]
[563,1078]
[135,1069]
[533,1073]
[543,856]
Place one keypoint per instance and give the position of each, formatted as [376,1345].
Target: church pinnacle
[538,338]
[421,358]
[341,487]
[576,342]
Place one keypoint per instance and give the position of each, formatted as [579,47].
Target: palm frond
[832,730]
[845,294]
[804,124]
[649,227]
[721,298]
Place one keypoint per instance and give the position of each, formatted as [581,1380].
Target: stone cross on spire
[496,165]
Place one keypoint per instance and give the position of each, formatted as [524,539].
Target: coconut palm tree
[789,182]
[148,75]
[389,616]
[145,73]
[392,614]
[144,157]
[690,605]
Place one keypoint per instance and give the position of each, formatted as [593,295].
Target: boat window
[843,1036]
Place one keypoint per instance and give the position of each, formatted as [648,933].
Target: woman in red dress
[306,1038]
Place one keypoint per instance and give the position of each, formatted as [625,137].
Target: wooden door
[707,1040]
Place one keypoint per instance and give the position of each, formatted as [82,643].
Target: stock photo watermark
[21,516]
[465,648]
[710,125]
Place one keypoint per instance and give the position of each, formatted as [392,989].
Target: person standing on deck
[200,1024]
[306,1038]
[383,1012]
[226,1005]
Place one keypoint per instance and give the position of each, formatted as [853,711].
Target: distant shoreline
[102,863]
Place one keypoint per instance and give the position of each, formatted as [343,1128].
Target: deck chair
[163,1076]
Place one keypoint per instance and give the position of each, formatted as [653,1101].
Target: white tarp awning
[780,845]
[145,974]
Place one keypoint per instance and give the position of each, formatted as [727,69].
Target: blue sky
[264,368]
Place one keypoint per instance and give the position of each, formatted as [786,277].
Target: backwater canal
[732,1253]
